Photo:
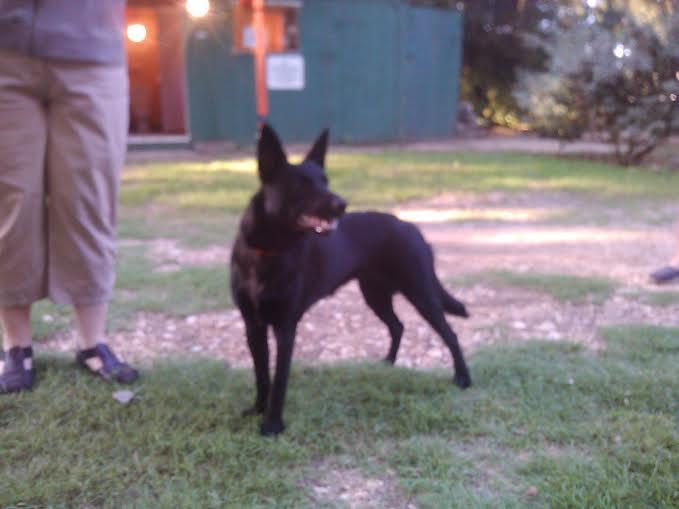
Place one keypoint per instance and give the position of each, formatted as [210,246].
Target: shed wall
[376,70]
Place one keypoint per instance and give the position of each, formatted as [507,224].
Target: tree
[495,51]
[614,70]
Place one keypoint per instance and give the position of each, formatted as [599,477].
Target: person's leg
[23,135]
[16,359]
[85,153]
[93,352]
[91,324]
[86,148]
[16,327]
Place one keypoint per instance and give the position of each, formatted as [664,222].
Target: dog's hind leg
[380,300]
[432,311]
[438,322]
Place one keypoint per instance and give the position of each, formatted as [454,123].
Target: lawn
[547,424]
[562,287]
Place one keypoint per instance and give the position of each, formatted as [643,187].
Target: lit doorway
[155,49]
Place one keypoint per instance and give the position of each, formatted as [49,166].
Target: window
[281,18]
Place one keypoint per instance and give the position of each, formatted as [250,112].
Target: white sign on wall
[248,37]
[285,71]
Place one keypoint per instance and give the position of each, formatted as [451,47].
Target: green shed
[371,70]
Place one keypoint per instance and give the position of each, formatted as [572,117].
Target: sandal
[665,274]
[102,362]
[17,370]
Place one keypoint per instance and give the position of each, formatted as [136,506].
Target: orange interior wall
[172,71]
[156,71]
[144,72]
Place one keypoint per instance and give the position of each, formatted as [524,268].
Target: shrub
[611,73]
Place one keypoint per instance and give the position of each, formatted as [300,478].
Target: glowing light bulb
[619,50]
[136,32]
[197,8]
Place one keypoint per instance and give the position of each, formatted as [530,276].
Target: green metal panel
[430,70]
[376,70]
[220,83]
[350,50]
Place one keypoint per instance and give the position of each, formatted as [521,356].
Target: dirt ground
[512,237]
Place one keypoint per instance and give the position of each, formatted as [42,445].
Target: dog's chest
[253,284]
[268,288]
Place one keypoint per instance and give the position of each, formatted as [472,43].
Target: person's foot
[102,362]
[665,274]
[17,370]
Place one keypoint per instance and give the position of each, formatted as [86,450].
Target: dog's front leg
[259,348]
[285,339]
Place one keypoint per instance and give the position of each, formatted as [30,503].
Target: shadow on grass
[583,430]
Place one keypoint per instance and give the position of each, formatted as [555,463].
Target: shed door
[430,68]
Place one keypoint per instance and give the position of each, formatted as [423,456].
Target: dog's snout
[338,205]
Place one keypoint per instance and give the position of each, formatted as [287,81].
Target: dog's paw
[462,380]
[389,361]
[271,428]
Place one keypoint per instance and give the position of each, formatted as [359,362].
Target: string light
[136,32]
[621,51]
[197,8]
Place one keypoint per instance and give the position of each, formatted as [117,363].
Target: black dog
[296,245]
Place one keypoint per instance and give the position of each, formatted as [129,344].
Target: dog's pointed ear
[270,154]
[317,152]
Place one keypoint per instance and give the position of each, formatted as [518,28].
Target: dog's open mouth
[318,224]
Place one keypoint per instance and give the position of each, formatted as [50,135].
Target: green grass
[546,424]
[583,430]
[181,292]
[562,287]
[660,299]
[382,179]
[48,319]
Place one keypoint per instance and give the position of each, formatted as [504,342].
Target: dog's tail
[451,304]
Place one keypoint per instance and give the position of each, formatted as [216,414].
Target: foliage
[506,42]
[614,71]
[494,51]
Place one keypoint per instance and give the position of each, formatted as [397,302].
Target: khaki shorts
[63,136]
